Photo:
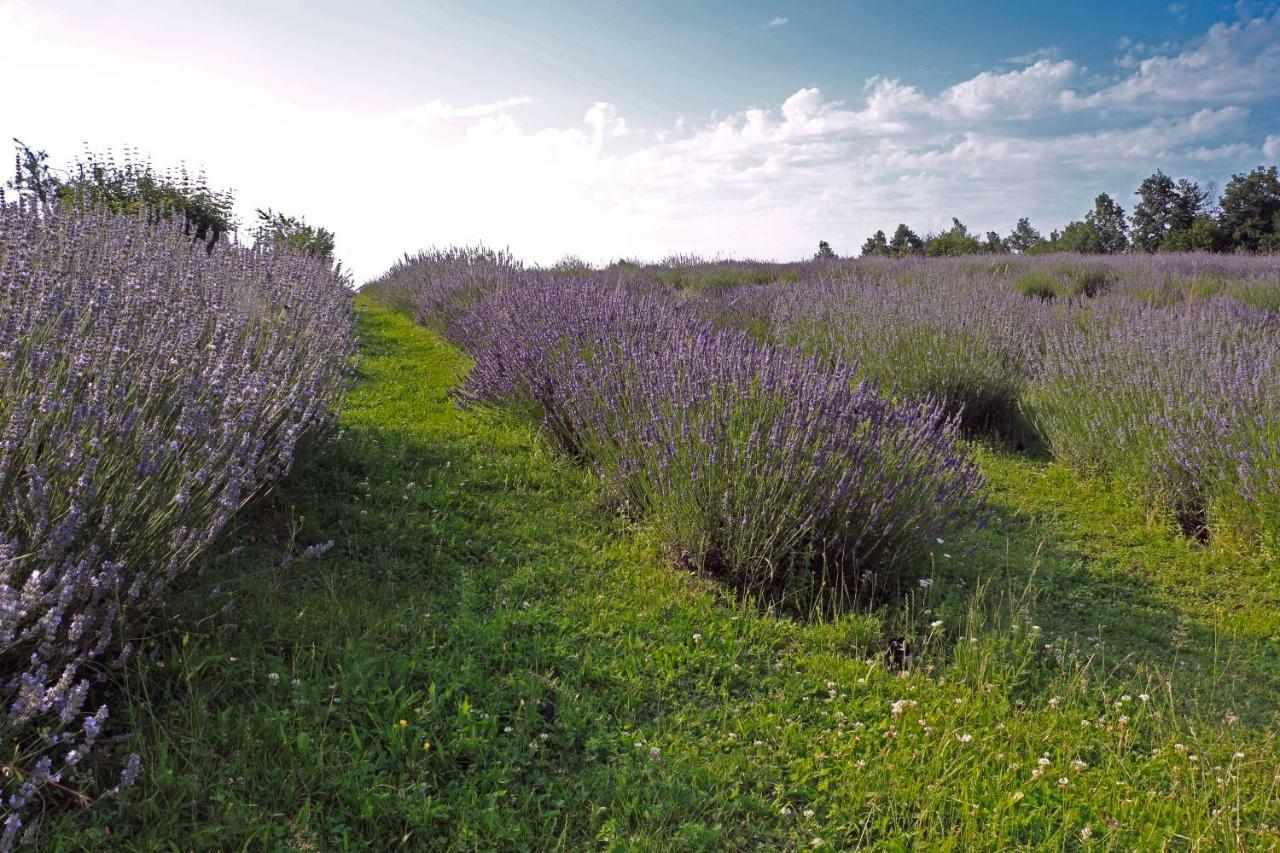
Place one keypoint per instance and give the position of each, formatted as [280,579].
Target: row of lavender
[1178,401]
[752,460]
[148,390]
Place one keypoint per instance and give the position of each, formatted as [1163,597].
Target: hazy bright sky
[629,128]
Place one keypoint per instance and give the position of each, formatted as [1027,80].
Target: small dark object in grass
[898,655]
[547,709]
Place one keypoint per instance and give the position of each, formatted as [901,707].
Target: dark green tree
[1165,208]
[905,242]
[1079,236]
[1250,211]
[956,240]
[994,244]
[296,234]
[1023,236]
[876,244]
[1204,235]
[825,252]
[1108,223]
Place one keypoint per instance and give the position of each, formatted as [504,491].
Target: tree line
[1170,216]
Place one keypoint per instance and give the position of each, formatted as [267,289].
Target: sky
[620,128]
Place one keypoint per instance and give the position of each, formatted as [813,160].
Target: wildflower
[273,677]
[1078,765]
[654,753]
[785,811]
[507,729]
[1143,696]
[808,812]
[402,723]
[697,638]
[1055,701]
[1086,834]
[964,738]
[937,623]
[426,746]
[925,583]
[1063,781]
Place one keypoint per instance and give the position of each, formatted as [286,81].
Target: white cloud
[1231,63]
[776,22]
[770,180]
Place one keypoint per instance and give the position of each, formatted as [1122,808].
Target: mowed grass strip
[486,659]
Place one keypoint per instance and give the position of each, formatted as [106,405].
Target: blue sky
[612,129]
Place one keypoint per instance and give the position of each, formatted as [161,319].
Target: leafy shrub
[149,390]
[752,460]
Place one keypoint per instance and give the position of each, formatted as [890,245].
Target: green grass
[488,659]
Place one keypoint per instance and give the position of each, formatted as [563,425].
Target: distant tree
[905,242]
[1166,208]
[295,233]
[1079,236]
[1204,235]
[1109,225]
[994,244]
[1250,211]
[876,244]
[825,252]
[956,240]
[1023,236]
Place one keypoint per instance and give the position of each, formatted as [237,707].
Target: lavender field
[703,392]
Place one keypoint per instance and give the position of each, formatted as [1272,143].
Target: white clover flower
[925,583]
[808,812]
[964,738]
[1086,834]
[937,623]
[273,677]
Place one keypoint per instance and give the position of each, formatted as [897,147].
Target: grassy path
[485,659]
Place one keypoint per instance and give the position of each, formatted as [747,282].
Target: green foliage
[994,244]
[131,186]
[1203,235]
[905,242]
[876,245]
[295,234]
[824,253]
[1023,236]
[956,240]
[1063,281]
[1166,211]
[1251,210]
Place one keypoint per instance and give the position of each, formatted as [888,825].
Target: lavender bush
[437,285]
[1183,403]
[148,391]
[751,459]
[972,348]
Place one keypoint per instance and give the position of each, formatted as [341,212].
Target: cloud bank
[768,181]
